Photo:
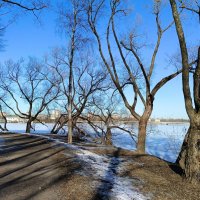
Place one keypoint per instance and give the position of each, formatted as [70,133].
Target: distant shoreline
[125,122]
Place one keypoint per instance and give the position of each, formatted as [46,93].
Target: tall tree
[189,158]
[72,22]
[88,80]
[138,74]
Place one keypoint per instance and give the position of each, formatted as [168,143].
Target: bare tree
[87,80]
[190,152]
[73,23]
[27,88]
[129,52]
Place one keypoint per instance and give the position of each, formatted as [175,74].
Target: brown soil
[163,180]
[36,168]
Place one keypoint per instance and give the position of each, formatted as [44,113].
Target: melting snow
[106,169]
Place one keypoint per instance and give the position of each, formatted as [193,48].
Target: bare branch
[33,8]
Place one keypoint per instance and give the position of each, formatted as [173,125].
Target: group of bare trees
[67,78]
[138,74]
[9,12]
[76,78]
[141,74]
[25,87]
[88,80]
[33,87]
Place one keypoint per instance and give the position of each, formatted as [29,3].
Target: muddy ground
[38,168]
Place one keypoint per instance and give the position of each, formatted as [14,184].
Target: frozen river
[163,140]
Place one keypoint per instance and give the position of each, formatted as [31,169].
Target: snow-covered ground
[163,140]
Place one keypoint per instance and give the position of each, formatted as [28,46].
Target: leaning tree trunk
[56,130]
[58,125]
[189,157]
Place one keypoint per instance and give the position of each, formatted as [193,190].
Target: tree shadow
[37,167]
[30,163]
[176,168]
[18,147]
[13,136]
[14,144]
[27,155]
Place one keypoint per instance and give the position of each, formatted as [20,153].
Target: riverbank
[35,167]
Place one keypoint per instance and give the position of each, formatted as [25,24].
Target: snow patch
[106,170]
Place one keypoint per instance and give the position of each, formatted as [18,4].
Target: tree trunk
[70,123]
[55,131]
[189,157]
[142,129]
[142,135]
[28,126]
[5,124]
[103,139]
[70,127]
[108,136]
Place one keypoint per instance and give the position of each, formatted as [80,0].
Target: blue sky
[27,38]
